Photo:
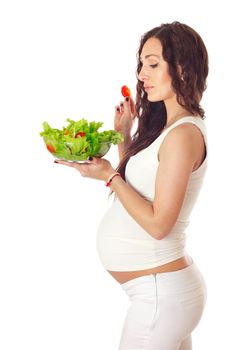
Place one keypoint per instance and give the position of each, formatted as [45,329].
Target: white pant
[165,308]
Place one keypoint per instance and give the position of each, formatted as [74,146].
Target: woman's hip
[186,285]
[165,308]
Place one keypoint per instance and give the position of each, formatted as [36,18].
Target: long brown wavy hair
[181,45]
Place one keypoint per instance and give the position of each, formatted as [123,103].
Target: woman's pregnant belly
[122,244]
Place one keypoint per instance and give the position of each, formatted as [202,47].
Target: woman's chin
[152,99]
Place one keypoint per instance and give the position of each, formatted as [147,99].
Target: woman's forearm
[123,146]
[140,209]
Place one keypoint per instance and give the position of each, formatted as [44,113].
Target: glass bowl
[67,154]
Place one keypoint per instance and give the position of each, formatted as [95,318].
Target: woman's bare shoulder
[187,133]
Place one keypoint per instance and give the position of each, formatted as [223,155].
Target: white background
[68,59]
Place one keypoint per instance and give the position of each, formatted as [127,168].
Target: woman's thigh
[172,326]
[169,328]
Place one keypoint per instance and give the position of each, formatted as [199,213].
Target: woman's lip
[148,88]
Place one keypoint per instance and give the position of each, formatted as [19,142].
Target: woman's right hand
[125,114]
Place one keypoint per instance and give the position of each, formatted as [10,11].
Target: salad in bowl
[79,139]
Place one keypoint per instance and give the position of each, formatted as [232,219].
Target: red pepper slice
[125,91]
[80,134]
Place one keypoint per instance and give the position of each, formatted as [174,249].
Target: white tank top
[122,244]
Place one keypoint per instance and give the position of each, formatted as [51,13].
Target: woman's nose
[142,76]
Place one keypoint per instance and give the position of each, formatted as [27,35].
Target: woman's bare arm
[123,146]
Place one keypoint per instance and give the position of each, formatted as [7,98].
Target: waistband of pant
[163,275]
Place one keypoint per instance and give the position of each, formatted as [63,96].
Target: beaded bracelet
[108,183]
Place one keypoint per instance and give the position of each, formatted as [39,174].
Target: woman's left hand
[97,168]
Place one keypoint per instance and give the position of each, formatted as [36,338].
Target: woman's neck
[175,111]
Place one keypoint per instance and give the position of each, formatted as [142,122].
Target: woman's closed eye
[153,65]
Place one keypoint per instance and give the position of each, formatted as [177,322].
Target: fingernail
[90,158]
[118,109]
[127,98]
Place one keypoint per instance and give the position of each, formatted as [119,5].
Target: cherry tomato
[125,91]
[80,134]
[51,148]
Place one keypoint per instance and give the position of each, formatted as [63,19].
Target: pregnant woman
[141,237]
